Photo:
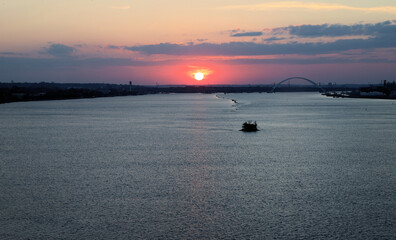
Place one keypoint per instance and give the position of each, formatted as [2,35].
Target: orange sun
[199,76]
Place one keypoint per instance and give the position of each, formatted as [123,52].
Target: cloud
[247,34]
[113,47]
[80,45]
[59,50]
[337,30]
[11,53]
[235,30]
[256,49]
[271,39]
[306,61]
[290,5]
[380,35]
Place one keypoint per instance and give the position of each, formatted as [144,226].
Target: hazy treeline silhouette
[13,92]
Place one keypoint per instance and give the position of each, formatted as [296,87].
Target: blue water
[175,166]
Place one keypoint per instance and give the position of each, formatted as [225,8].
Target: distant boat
[249,126]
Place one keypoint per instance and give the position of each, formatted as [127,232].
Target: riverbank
[16,92]
[385,91]
[358,95]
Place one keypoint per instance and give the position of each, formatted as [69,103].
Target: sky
[166,42]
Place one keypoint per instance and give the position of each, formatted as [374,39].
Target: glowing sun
[199,76]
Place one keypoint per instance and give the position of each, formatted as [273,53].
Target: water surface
[176,166]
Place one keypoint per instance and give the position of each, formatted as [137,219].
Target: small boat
[249,126]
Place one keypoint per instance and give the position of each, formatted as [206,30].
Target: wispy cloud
[271,39]
[290,5]
[338,30]
[59,50]
[113,47]
[247,34]
[121,7]
[303,61]
[256,49]
[202,39]
[11,53]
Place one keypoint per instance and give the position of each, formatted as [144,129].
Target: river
[176,166]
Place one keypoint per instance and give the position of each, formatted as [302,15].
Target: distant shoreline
[358,95]
[22,92]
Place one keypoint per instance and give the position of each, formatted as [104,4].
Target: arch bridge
[301,78]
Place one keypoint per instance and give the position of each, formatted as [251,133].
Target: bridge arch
[302,78]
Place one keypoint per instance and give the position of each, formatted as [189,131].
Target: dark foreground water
[176,167]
